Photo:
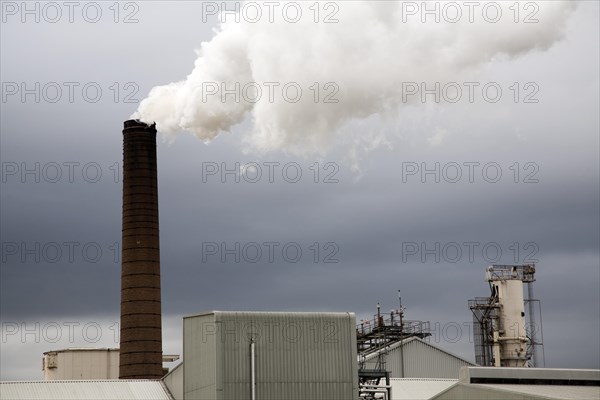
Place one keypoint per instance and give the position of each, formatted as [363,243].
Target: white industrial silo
[503,337]
[512,339]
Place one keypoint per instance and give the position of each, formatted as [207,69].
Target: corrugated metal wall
[298,355]
[199,358]
[421,360]
[174,382]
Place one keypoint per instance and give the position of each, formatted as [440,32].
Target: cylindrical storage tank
[513,336]
[141,337]
[81,364]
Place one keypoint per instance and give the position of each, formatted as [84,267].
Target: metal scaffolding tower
[376,335]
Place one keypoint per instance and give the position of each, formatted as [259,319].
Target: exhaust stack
[141,335]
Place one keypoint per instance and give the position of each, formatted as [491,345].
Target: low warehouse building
[297,356]
[477,383]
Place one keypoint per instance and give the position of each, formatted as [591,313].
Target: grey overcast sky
[516,181]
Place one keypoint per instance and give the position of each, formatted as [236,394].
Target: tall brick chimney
[141,336]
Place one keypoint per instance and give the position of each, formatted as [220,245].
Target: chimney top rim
[136,123]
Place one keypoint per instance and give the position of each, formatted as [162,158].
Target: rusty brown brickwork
[140,355]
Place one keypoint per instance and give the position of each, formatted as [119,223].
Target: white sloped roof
[419,388]
[85,390]
[418,359]
[408,341]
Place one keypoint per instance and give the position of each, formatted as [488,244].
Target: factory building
[474,383]
[291,356]
[415,358]
[228,355]
[261,355]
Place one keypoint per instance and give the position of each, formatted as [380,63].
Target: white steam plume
[368,54]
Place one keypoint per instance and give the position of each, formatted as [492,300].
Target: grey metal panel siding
[174,382]
[421,360]
[298,355]
[199,357]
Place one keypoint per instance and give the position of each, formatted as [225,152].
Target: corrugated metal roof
[551,391]
[68,349]
[421,360]
[409,340]
[418,388]
[85,390]
[519,392]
